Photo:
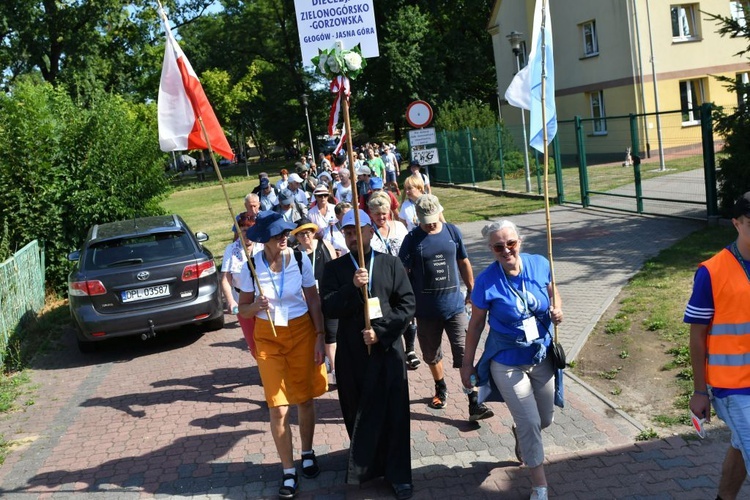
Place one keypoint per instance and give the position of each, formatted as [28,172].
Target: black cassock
[373,389]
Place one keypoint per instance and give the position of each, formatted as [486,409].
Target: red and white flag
[181,102]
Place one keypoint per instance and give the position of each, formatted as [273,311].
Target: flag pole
[196,111]
[355,202]
[242,235]
[553,285]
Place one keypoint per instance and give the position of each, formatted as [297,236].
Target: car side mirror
[74,256]
[201,236]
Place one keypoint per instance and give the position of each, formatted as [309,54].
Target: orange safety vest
[728,345]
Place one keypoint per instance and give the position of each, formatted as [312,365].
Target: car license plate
[149,292]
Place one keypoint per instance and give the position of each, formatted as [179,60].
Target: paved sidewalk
[185,417]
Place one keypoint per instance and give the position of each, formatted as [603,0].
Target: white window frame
[589,48]
[692,95]
[598,112]
[737,12]
[687,22]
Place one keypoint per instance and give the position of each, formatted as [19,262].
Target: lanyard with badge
[373,303]
[280,312]
[385,241]
[529,326]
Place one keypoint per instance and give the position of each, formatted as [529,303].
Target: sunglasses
[282,235]
[321,196]
[499,247]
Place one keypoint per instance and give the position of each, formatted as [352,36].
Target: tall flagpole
[355,199]
[242,236]
[546,161]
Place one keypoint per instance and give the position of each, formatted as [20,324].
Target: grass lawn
[205,209]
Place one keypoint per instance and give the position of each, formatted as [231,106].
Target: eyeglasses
[499,247]
[305,234]
[281,236]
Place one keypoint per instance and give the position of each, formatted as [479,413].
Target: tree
[64,168]
[733,175]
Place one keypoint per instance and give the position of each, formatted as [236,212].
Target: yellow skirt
[287,362]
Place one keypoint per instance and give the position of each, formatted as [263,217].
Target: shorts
[430,335]
[286,362]
[734,410]
[390,176]
[331,326]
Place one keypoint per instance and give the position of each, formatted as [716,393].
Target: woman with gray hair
[515,291]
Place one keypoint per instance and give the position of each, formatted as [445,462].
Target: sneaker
[538,493]
[479,411]
[412,361]
[518,446]
[311,470]
[438,400]
[286,491]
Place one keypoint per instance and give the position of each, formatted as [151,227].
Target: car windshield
[138,250]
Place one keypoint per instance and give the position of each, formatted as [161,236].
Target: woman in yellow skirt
[291,361]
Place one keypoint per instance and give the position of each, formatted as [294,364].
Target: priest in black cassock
[373,388]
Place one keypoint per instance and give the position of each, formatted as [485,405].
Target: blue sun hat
[267,225]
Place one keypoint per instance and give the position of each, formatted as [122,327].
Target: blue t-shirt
[700,310]
[433,270]
[501,296]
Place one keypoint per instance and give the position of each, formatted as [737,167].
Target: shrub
[65,167]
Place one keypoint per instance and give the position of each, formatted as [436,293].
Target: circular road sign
[419,114]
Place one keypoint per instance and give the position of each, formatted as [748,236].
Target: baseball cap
[302,167]
[376,183]
[414,163]
[286,197]
[264,182]
[295,178]
[363,170]
[348,220]
[428,209]
[742,206]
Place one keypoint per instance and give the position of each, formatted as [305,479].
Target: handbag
[557,353]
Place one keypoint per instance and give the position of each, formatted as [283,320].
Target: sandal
[312,470]
[286,492]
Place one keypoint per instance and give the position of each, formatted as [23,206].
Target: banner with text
[322,22]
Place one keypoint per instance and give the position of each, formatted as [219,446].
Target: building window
[737,11]
[743,88]
[598,113]
[691,98]
[684,24]
[590,43]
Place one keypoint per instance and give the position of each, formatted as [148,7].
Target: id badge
[373,307]
[281,316]
[530,329]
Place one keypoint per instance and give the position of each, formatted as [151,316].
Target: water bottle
[473,381]
[235,310]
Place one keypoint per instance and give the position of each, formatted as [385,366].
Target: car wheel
[214,324]
[87,347]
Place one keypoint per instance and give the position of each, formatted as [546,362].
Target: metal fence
[668,173]
[21,290]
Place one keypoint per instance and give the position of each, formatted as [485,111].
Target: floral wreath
[339,65]
[335,62]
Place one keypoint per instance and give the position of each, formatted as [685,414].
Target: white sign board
[425,156]
[321,23]
[422,136]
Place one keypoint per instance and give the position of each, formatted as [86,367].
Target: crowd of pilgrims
[315,313]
